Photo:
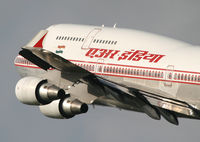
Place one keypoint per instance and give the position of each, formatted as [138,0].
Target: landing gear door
[168,76]
[88,40]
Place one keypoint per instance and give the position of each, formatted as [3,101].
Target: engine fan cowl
[35,91]
[64,108]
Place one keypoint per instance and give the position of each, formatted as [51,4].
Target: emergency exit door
[169,76]
[88,40]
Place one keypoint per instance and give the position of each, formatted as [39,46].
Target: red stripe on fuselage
[29,66]
[133,66]
[128,76]
[155,79]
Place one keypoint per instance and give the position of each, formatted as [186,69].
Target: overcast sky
[20,20]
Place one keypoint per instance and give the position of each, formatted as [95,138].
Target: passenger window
[143,72]
[175,76]
[110,69]
[122,70]
[116,70]
[155,73]
[132,72]
[150,73]
[107,69]
[128,71]
[179,76]
[185,76]
[192,78]
[182,76]
[113,70]
[189,77]
[170,76]
[195,77]
[147,73]
[119,70]
[158,74]
[104,69]
[138,72]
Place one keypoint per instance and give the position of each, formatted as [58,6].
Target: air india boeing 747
[66,67]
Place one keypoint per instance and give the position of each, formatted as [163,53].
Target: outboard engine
[35,91]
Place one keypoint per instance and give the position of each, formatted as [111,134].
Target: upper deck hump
[135,37]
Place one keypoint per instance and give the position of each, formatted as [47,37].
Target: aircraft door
[168,76]
[90,37]
[168,86]
[99,66]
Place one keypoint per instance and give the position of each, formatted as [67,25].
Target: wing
[143,100]
[46,59]
[152,104]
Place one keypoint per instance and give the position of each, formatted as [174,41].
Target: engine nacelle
[64,108]
[35,91]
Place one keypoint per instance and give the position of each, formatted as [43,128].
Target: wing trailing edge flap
[171,108]
[46,59]
[152,104]
[123,94]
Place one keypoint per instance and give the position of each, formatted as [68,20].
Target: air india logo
[132,55]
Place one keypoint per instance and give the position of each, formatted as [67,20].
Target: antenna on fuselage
[114,26]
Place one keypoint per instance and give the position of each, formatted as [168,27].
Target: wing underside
[152,104]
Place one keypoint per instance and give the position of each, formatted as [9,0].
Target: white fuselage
[129,57]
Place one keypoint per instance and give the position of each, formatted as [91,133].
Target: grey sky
[20,20]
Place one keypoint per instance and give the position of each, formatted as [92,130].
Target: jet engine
[35,91]
[64,108]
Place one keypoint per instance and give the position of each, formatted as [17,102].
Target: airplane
[67,67]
